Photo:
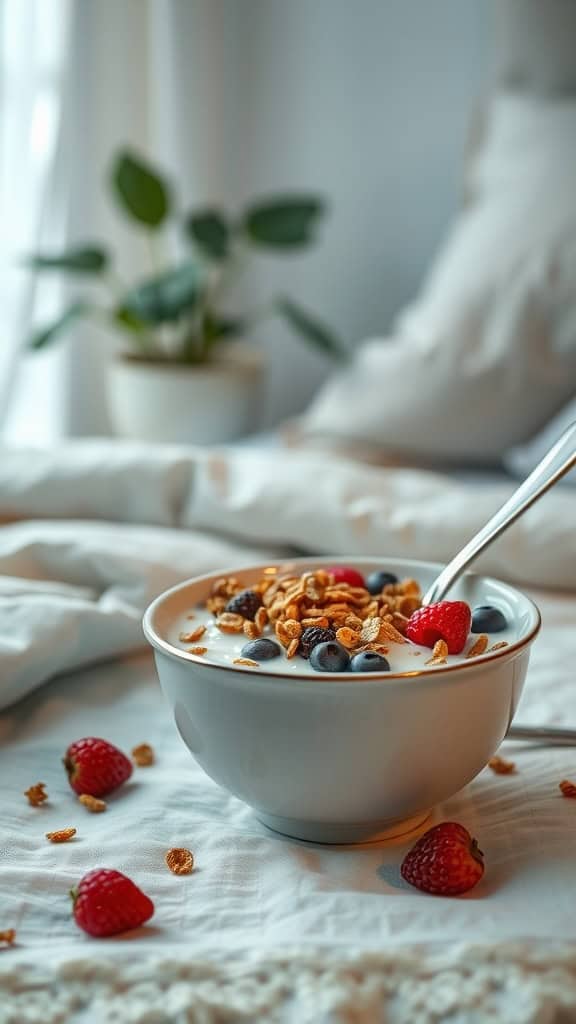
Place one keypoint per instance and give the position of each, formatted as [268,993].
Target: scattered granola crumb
[36,794]
[191,616]
[193,635]
[93,803]
[246,661]
[568,789]
[197,650]
[8,936]
[439,653]
[180,861]
[496,647]
[143,755]
[479,646]
[61,836]
[500,766]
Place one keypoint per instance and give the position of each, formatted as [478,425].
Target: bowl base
[342,834]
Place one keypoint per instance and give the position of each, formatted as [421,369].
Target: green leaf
[284,221]
[83,259]
[141,191]
[46,335]
[124,318]
[162,299]
[210,231]
[220,328]
[312,330]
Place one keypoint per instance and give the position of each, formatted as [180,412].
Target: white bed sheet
[266,928]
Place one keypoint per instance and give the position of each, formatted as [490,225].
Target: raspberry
[445,861]
[95,766]
[447,620]
[312,636]
[345,574]
[246,604]
[107,902]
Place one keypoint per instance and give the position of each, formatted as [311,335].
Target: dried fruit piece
[195,634]
[568,789]
[95,766]
[246,661]
[499,645]
[197,650]
[478,647]
[445,861]
[180,861]
[143,755]
[245,604]
[500,766]
[36,794]
[62,835]
[106,902]
[8,936]
[92,803]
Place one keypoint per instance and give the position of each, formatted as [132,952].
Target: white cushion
[522,460]
[487,353]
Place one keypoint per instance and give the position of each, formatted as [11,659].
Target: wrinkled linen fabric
[93,532]
[266,928]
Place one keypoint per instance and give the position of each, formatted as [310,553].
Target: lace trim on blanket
[512,983]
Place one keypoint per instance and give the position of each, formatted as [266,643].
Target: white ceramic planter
[181,404]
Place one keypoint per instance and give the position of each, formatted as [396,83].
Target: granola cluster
[291,604]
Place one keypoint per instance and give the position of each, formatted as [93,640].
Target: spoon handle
[557,462]
[552,735]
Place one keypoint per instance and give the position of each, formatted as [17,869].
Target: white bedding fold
[98,528]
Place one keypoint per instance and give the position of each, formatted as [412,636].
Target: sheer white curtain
[34,37]
[88,76]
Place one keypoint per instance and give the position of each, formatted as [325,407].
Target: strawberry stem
[73,894]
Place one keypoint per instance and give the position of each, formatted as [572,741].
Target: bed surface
[268,927]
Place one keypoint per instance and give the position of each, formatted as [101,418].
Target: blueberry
[261,650]
[312,636]
[330,657]
[369,661]
[486,619]
[377,580]
[246,603]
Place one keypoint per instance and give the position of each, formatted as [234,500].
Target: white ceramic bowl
[342,758]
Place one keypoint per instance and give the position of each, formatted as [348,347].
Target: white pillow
[522,460]
[487,353]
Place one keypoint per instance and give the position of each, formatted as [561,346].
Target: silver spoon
[557,462]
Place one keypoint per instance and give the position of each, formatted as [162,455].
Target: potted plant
[178,377]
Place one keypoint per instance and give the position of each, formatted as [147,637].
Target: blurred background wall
[368,102]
